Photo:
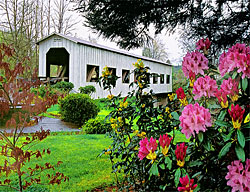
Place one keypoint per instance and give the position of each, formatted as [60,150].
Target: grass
[79,154]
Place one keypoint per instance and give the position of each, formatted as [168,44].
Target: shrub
[43,90]
[212,111]
[96,126]
[64,86]
[89,90]
[78,108]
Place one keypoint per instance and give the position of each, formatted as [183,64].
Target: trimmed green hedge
[78,108]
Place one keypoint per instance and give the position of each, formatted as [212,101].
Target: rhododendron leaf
[168,161]
[196,174]
[222,115]
[195,163]
[225,149]
[241,138]
[175,115]
[200,137]
[177,176]
[154,170]
[207,145]
[222,123]
[162,166]
[234,75]
[227,137]
[244,84]
[240,152]
[246,125]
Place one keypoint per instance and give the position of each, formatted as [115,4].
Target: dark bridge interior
[58,57]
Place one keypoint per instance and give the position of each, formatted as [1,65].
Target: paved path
[54,125]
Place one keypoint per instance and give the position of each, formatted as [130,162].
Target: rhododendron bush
[212,112]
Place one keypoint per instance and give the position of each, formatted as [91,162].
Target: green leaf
[247,125]
[225,149]
[222,123]
[234,75]
[244,84]
[196,174]
[154,170]
[207,145]
[177,176]
[227,137]
[240,152]
[162,166]
[222,115]
[200,137]
[175,115]
[241,138]
[168,161]
[195,163]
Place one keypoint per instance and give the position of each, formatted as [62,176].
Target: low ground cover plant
[212,111]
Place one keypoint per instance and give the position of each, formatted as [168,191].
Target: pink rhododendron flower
[164,143]
[238,177]
[195,62]
[222,98]
[237,57]
[204,86]
[180,153]
[187,186]
[236,114]
[147,148]
[201,44]
[230,87]
[194,118]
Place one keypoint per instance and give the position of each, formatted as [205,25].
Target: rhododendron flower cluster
[236,114]
[203,44]
[238,177]
[194,118]
[180,154]
[204,86]
[187,186]
[147,149]
[164,143]
[195,62]
[181,96]
[191,78]
[237,57]
[222,98]
[230,87]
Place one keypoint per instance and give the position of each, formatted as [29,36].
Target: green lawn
[79,154]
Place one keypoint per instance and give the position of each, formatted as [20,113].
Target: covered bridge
[81,62]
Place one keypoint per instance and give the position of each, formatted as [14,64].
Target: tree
[223,21]
[18,104]
[155,49]
[20,24]
[62,20]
